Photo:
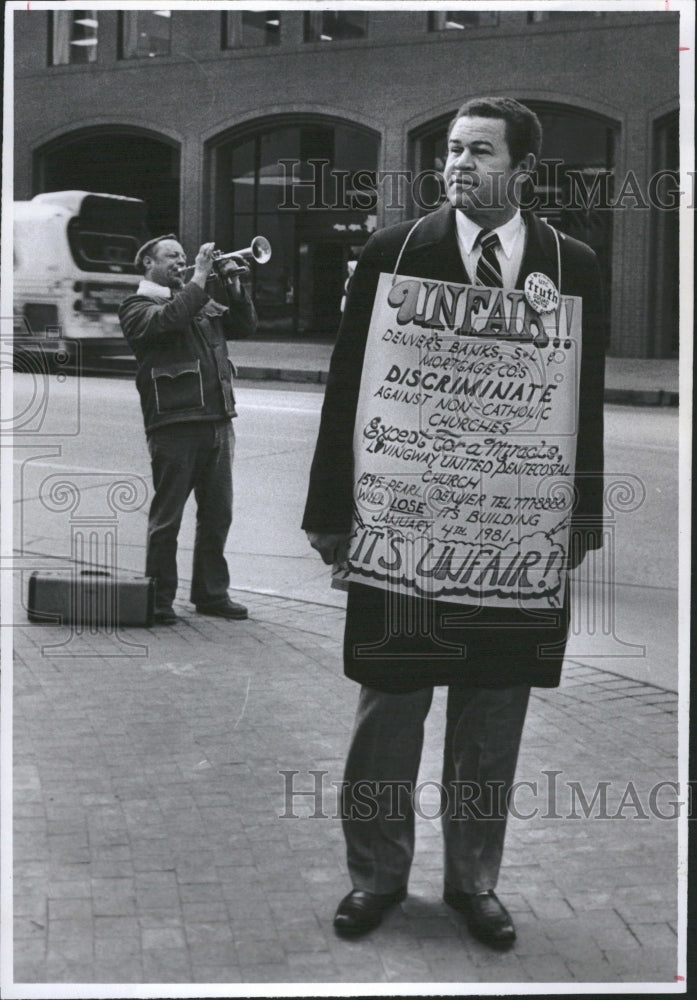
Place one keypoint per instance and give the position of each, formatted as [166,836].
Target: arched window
[307,185]
[115,160]
[573,184]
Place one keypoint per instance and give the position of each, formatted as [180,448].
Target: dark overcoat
[397,643]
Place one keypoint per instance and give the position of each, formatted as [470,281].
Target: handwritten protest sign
[465,443]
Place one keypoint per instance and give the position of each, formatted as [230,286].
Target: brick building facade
[313,128]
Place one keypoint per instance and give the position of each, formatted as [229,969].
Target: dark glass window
[145,33]
[539,16]
[116,162]
[309,188]
[572,186]
[335,25]
[97,251]
[456,20]
[73,37]
[251,28]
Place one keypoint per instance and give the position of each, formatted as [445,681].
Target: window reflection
[540,16]
[73,35]
[296,185]
[145,33]
[251,28]
[335,25]
[456,20]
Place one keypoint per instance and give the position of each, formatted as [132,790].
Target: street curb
[263,374]
[122,367]
[641,397]
[626,397]
[621,397]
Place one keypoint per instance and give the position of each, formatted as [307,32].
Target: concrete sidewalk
[630,381]
[164,832]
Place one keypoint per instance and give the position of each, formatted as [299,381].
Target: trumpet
[258,250]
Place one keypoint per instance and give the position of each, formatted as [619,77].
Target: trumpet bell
[260,249]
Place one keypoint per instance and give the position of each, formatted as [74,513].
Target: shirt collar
[508,233]
[152,289]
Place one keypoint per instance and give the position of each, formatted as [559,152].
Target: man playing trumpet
[178,334]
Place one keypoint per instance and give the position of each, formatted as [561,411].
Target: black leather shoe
[487,918]
[165,616]
[360,911]
[224,609]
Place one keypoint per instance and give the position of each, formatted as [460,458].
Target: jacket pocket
[212,310]
[178,386]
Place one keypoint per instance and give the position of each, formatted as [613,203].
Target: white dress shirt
[509,252]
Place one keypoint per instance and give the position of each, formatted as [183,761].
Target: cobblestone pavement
[157,841]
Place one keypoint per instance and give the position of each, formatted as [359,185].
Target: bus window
[106,233]
[102,251]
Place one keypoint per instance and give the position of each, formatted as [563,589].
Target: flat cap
[138,261]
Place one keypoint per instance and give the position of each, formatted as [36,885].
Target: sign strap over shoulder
[404,245]
[556,240]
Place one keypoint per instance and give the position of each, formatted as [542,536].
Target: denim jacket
[184,373]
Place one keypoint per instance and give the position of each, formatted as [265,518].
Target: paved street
[157,836]
[103,442]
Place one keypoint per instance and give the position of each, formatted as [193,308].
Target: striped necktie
[488,268]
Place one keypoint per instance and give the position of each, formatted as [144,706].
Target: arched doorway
[115,161]
[295,180]
[573,184]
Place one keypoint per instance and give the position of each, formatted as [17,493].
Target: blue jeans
[184,458]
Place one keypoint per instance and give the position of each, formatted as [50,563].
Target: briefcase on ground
[90,597]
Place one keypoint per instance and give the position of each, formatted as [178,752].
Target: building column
[630,334]
[394,202]
[291,28]
[26,173]
[191,220]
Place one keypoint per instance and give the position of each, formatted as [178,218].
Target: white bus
[73,265]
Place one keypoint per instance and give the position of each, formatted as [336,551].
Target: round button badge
[541,292]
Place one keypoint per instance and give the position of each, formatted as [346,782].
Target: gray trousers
[482,738]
